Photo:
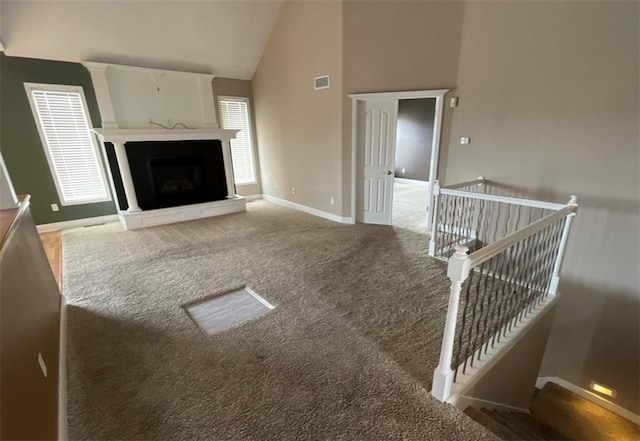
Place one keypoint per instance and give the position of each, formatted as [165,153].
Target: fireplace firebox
[172,173]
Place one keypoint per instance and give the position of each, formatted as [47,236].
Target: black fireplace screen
[176,181]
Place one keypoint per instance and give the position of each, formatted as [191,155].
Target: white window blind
[63,122]
[234,114]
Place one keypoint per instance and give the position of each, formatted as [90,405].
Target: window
[234,114]
[63,122]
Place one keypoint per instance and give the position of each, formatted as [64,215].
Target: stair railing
[498,288]
[475,214]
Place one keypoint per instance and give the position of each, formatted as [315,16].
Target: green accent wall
[20,143]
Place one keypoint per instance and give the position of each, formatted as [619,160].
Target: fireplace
[162,176]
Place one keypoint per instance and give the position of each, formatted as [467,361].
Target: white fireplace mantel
[126,135]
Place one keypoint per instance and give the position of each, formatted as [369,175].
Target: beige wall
[549,96]
[243,88]
[299,128]
[511,381]
[398,46]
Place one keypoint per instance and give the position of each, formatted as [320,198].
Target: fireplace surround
[162,176]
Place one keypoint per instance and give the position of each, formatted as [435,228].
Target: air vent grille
[321,82]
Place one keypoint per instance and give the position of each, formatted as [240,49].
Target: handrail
[504,199]
[483,254]
[23,206]
[480,181]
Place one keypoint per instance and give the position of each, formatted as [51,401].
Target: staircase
[557,414]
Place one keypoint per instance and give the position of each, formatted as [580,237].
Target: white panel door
[379,139]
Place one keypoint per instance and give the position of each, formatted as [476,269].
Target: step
[515,425]
[493,426]
[580,419]
[543,430]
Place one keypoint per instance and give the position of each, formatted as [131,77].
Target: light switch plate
[465,140]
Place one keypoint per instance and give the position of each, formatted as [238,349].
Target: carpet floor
[347,353]
[410,205]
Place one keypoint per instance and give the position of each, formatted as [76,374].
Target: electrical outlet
[465,140]
[293,190]
[403,170]
[43,366]
[333,201]
[54,207]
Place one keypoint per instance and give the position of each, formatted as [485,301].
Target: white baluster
[555,278]
[435,212]
[458,271]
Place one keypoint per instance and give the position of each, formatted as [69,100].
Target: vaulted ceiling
[225,38]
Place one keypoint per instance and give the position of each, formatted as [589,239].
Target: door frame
[438,94]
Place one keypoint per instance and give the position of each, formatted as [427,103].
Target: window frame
[252,148]
[29,88]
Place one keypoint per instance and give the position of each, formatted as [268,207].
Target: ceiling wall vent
[321,82]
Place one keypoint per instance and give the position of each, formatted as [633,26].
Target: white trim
[438,94]
[464,402]
[62,372]
[125,135]
[29,88]
[405,95]
[254,153]
[182,213]
[86,222]
[253,197]
[504,199]
[588,395]
[258,297]
[308,210]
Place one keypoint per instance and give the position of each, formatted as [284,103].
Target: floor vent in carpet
[224,311]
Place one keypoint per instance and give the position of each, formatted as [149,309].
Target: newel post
[458,271]
[435,213]
[555,278]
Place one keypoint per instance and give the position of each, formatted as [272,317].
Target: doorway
[395,147]
[414,142]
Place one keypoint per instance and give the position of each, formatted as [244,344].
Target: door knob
[388,172]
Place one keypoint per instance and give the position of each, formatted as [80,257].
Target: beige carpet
[347,354]
[410,205]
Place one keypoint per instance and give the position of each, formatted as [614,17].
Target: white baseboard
[86,222]
[62,372]
[588,395]
[253,197]
[309,210]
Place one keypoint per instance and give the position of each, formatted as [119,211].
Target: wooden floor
[53,247]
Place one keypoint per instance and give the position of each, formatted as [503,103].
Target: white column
[555,278]
[458,271]
[228,168]
[127,181]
